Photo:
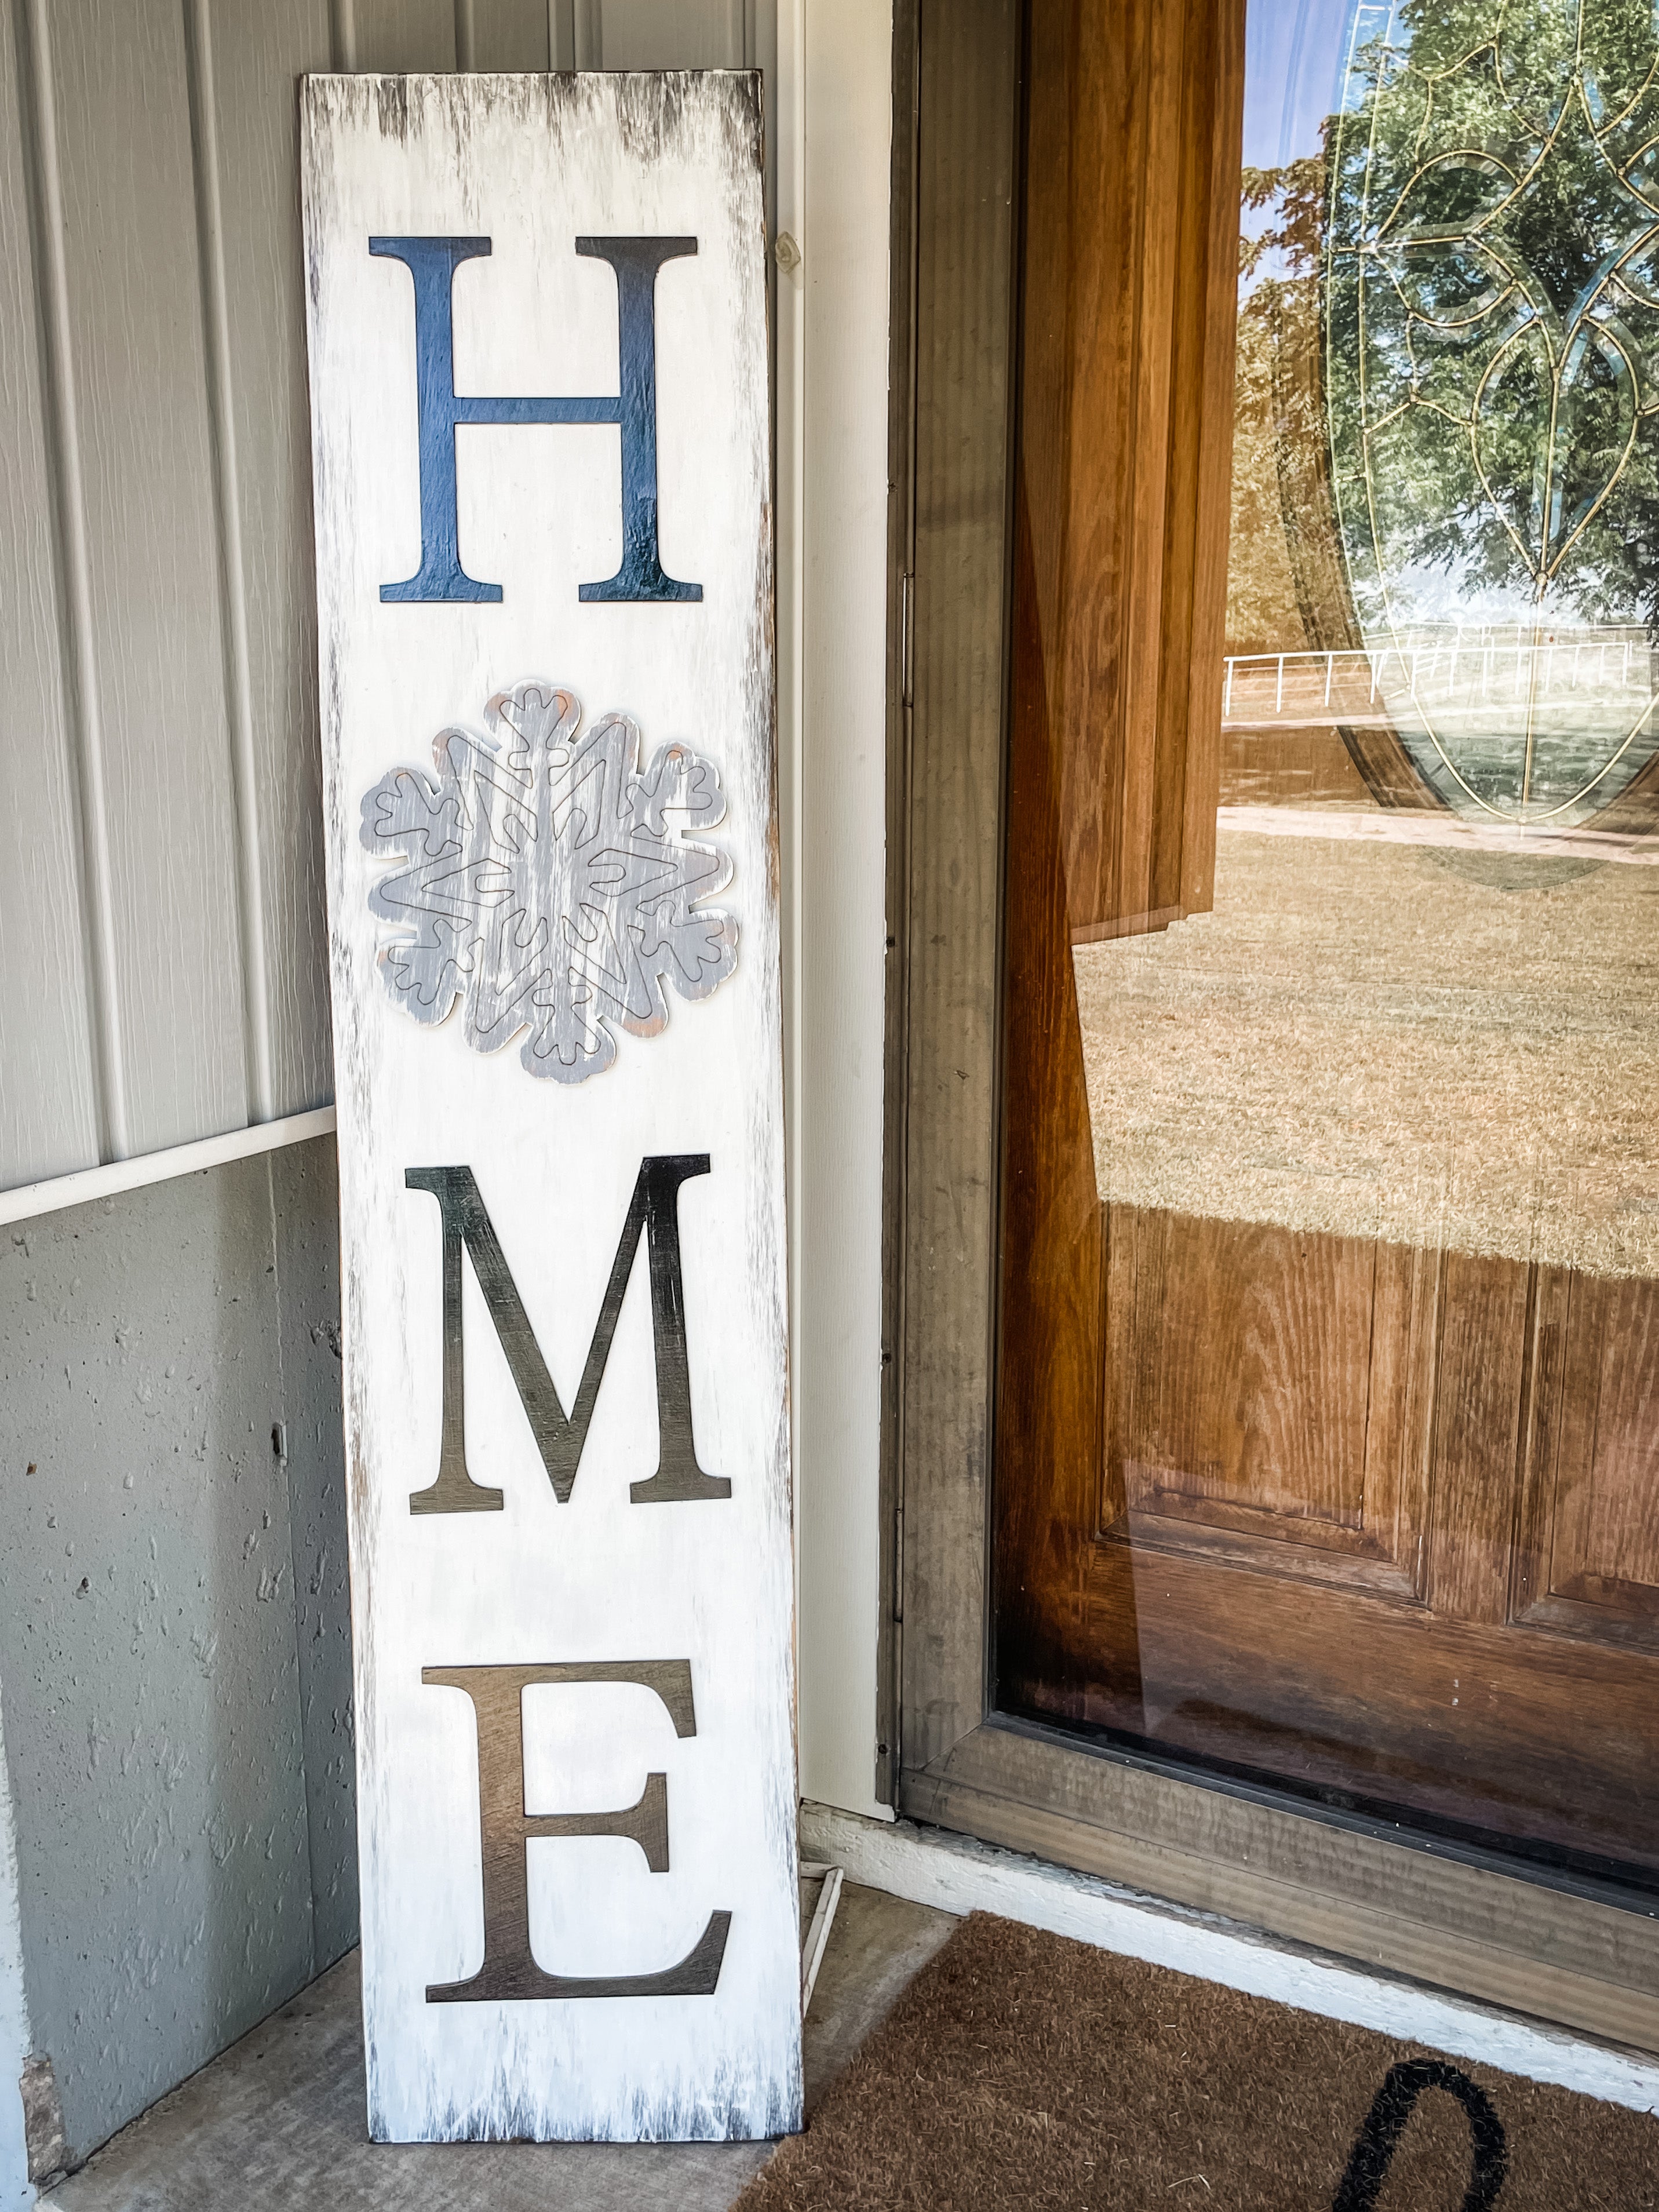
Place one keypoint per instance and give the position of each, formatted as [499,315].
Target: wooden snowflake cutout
[548,884]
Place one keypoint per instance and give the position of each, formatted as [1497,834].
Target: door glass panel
[1374,1511]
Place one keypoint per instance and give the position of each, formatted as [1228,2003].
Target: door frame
[1563,1948]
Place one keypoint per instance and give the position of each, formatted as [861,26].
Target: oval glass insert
[1490,311]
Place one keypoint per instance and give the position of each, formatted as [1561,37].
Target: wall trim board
[902,276]
[958,1874]
[839,294]
[788,492]
[942,1166]
[30,1200]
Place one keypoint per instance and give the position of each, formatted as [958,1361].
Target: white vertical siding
[117,191]
[164,976]
[640,35]
[49,1117]
[245,64]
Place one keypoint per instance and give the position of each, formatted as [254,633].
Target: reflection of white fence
[1451,675]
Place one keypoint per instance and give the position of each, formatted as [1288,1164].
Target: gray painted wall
[175,1642]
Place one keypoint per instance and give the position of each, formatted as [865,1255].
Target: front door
[1328,1386]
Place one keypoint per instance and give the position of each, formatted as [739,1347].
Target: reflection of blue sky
[1429,598]
[1293,55]
[1293,52]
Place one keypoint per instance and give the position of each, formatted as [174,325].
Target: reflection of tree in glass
[1273,604]
[1491,310]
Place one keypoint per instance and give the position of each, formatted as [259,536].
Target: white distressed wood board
[485,900]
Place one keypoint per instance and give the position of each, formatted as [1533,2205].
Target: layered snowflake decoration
[548,884]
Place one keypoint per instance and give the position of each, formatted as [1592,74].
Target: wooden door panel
[1606,1537]
[1245,1370]
[1541,1737]
[1480,1384]
[1588,1556]
[1369,1622]
[1266,1395]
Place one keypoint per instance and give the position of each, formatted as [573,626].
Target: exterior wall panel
[173,1631]
[510,34]
[48,1098]
[639,34]
[111,78]
[395,35]
[246,61]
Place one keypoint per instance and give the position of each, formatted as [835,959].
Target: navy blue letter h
[432,262]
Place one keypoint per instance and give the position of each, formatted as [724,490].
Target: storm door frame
[1439,1914]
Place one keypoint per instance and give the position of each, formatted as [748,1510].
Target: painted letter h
[432,262]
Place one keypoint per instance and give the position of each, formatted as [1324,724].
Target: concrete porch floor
[277,2119]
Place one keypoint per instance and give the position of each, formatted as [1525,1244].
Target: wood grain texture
[1576,1958]
[1118,316]
[1269,1395]
[1130,215]
[1478,1401]
[1200,467]
[965,162]
[1507,1734]
[1588,1560]
[1049,1405]
[1473,1440]
[1614,1538]
[1239,1392]
[533,163]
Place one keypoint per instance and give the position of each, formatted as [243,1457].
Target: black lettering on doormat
[1394,2104]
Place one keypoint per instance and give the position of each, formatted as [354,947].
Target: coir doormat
[1025,2071]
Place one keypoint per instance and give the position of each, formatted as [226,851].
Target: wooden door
[1306,1472]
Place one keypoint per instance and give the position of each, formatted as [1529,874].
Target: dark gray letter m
[653,1212]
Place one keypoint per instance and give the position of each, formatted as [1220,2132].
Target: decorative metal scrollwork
[1491,375]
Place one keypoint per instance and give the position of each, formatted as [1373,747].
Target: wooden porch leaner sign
[538,332]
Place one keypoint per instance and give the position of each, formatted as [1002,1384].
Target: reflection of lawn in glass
[1420,1043]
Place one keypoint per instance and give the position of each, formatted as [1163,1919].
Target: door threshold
[1574,1874]
[958,1874]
